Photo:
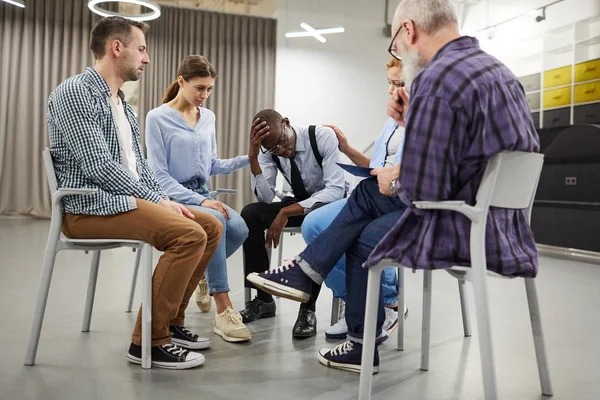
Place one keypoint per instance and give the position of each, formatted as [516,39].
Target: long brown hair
[191,67]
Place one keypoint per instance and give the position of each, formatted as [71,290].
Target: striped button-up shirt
[465,107]
[85,149]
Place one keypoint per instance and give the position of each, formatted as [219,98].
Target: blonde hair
[394,63]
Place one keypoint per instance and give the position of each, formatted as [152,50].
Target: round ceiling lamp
[154,12]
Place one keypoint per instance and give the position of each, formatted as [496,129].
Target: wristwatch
[393,188]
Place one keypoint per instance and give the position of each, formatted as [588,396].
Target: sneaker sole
[336,336]
[191,346]
[204,307]
[229,339]
[183,365]
[345,367]
[277,289]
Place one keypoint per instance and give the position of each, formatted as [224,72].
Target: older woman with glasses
[182,151]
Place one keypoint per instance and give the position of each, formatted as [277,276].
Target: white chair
[213,194]
[57,242]
[510,181]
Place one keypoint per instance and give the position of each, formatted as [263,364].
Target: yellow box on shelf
[557,97]
[587,71]
[557,77]
[587,92]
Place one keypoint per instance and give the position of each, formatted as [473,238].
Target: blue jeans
[315,223]
[234,235]
[365,219]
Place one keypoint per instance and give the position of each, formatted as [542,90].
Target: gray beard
[412,64]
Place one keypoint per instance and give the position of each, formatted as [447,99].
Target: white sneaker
[201,297]
[339,330]
[391,320]
[230,327]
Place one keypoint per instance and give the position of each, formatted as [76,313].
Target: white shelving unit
[553,67]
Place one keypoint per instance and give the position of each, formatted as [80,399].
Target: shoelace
[287,264]
[188,333]
[343,348]
[175,350]
[233,316]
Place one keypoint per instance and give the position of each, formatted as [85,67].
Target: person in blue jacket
[182,152]
[387,151]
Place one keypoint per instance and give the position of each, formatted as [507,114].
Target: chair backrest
[510,180]
[50,174]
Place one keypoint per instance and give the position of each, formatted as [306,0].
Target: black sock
[311,305]
[395,308]
[264,296]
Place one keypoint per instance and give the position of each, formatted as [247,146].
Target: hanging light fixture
[154,13]
[316,33]
[18,3]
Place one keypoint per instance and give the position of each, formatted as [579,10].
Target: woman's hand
[342,139]
[216,205]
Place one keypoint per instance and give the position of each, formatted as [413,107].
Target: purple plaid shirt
[465,107]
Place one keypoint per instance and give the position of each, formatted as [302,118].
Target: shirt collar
[300,138]
[461,43]
[99,81]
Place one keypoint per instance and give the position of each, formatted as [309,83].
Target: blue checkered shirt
[85,149]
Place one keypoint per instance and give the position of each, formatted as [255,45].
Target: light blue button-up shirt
[323,185]
[178,153]
[381,143]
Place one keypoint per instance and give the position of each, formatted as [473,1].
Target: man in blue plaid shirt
[95,143]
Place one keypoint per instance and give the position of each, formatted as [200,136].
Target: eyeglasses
[396,83]
[281,145]
[392,49]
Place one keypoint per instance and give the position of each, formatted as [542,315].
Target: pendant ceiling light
[18,3]
[147,16]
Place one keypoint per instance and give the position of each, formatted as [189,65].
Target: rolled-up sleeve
[263,185]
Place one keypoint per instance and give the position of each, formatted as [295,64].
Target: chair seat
[465,272]
[98,244]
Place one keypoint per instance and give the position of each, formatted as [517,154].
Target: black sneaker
[257,309]
[306,324]
[188,340]
[288,281]
[346,356]
[169,356]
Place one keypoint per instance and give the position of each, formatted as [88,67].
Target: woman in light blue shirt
[182,152]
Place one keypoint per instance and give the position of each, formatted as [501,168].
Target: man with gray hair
[465,107]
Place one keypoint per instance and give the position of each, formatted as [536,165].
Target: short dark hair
[271,117]
[111,28]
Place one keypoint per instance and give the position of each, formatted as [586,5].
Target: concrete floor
[75,365]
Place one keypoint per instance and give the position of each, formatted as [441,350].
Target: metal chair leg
[370,330]
[401,307]
[426,329]
[147,307]
[91,292]
[136,268]
[280,255]
[335,310]
[464,308]
[41,300]
[538,336]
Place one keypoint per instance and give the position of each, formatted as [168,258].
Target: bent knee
[311,227]
[237,226]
